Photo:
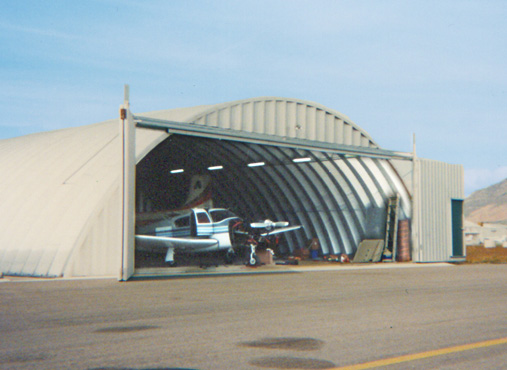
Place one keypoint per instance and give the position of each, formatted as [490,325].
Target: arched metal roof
[289,118]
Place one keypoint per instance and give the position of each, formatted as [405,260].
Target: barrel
[403,248]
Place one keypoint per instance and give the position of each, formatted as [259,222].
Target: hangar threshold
[303,266]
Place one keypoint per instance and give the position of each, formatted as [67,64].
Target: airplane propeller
[257,235]
[268,224]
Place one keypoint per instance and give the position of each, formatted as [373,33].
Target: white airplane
[209,230]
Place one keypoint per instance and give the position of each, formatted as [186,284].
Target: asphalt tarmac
[416,317]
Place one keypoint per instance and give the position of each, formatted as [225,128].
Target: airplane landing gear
[253,260]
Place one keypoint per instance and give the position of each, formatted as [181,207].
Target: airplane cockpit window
[202,218]
[221,214]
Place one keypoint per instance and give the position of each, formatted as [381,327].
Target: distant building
[485,234]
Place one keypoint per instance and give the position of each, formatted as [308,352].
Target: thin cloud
[39,31]
[478,178]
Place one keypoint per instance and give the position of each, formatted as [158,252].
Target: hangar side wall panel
[439,184]
[56,200]
[46,195]
[98,252]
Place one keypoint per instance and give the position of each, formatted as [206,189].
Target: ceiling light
[300,160]
[256,164]
[214,168]
[178,171]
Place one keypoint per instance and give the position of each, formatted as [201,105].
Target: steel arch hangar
[69,196]
[338,192]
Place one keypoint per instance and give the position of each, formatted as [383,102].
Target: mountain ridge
[488,204]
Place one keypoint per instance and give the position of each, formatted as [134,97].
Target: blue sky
[434,68]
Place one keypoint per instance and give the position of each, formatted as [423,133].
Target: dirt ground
[479,254]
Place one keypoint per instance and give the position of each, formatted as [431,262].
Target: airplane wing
[151,242]
[154,242]
[281,230]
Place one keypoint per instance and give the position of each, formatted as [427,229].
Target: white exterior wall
[60,201]
[437,184]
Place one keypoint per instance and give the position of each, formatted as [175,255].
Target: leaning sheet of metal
[369,250]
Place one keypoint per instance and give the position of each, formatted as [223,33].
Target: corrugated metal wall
[438,184]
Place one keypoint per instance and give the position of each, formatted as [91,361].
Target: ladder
[391,235]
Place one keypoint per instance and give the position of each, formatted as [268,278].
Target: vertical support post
[127,186]
[416,205]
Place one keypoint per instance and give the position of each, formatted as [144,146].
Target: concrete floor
[315,317]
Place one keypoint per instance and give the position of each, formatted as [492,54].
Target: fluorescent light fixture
[214,168]
[300,160]
[256,164]
[178,171]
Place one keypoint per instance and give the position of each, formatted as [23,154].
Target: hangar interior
[339,199]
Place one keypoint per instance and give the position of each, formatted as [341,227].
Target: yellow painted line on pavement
[422,355]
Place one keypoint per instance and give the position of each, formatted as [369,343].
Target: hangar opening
[339,199]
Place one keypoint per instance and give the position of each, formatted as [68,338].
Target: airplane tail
[199,196]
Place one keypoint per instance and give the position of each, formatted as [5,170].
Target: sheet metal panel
[439,183]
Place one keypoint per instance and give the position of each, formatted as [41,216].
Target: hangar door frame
[212,132]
